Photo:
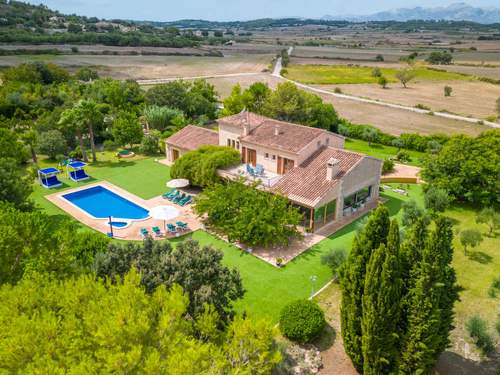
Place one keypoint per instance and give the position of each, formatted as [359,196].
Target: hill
[453,12]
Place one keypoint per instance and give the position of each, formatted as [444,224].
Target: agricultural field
[396,121]
[390,120]
[431,95]
[389,54]
[342,74]
[153,67]
[490,71]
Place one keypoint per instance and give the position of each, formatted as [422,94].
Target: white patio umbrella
[178,183]
[164,213]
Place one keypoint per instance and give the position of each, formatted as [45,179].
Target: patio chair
[156,231]
[259,170]
[144,232]
[182,225]
[186,200]
[170,193]
[250,170]
[171,229]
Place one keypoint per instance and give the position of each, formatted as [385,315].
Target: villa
[330,186]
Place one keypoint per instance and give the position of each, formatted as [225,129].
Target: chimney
[245,129]
[332,168]
[276,130]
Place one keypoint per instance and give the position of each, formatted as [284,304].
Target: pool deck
[132,232]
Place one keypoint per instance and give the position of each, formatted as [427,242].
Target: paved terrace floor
[132,232]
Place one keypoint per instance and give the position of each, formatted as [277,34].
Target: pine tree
[353,280]
[431,300]
[381,308]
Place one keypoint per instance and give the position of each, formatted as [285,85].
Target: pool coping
[114,190]
[132,231]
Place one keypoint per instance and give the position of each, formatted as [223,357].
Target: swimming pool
[100,203]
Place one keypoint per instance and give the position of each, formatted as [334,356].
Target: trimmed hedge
[410,141]
[302,321]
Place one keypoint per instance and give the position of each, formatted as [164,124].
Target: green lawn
[141,176]
[475,271]
[380,151]
[343,74]
[268,288]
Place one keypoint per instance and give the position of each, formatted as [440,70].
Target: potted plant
[308,232]
[279,262]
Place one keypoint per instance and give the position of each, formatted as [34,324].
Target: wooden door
[280,165]
[287,165]
[175,154]
[251,157]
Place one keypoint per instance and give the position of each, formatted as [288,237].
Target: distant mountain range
[453,12]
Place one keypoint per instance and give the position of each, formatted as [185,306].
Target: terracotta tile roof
[262,131]
[191,137]
[307,184]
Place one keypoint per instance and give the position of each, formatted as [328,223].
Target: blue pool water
[101,203]
[119,224]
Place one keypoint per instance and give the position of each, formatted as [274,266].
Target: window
[266,155]
[233,143]
[237,145]
[358,198]
[228,142]
[274,157]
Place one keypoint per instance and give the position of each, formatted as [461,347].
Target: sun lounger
[185,201]
[171,228]
[181,225]
[156,231]
[144,232]
[170,193]
[179,198]
[174,195]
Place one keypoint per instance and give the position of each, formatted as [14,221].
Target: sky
[228,10]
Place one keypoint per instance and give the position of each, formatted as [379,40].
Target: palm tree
[70,117]
[84,116]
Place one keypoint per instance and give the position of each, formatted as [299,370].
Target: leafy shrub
[150,143]
[86,74]
[438,58]
[467,168]
[51,143]
[422,106]
[109,145]
[388,166]
[403,156]
[160,118]
[478,330]
[248,215]
[200,166]
[494,287]
[302,321]
[436,199]
[334,259]
[448,90]
[337,90]
[376,72]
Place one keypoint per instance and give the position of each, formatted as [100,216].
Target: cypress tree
[353,280]
[431,299]
[381,308]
